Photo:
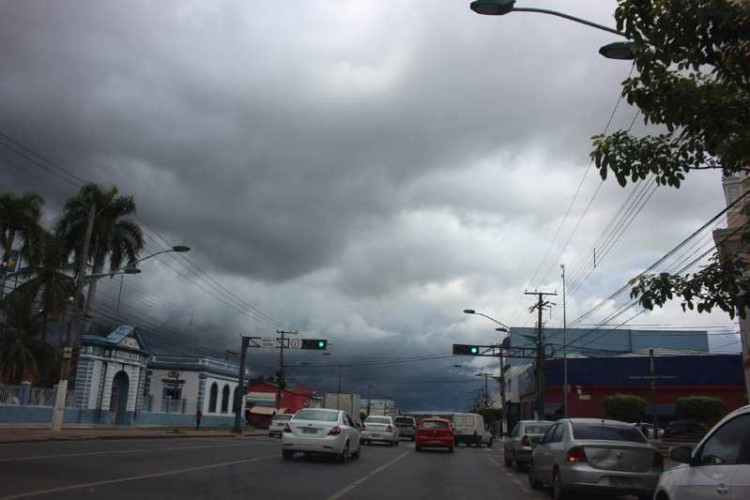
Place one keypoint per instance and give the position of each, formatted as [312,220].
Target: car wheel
[287,454]
[451,449]
[534,483]
[395,443]
[418,449]
[344,456]
[519,466]
[357,453]
[558,493]
[489,445]
[508,461]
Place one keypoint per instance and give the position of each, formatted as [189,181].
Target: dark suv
[407,427]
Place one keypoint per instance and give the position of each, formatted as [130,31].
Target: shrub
[624,407]
[703,409]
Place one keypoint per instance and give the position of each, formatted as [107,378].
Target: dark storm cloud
[246,132]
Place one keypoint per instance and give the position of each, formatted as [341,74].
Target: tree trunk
[98,266]
[6,257]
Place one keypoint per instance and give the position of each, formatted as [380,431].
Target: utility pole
[652,366]
[565,349]
[62,386]
[486,388]
[282,377]
[504,416]
[540,355]
[241,392]
[338,393]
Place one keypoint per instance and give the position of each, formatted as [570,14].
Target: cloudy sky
[356,170]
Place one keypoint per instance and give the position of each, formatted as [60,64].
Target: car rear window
[281,417]
[606,432]
[378,420]
[433,424]
[325,416]
[537,428]
[404,420]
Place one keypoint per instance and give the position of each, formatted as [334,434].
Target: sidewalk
[30,434]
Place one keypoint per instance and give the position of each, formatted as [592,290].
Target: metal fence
[10,394]
[42,396]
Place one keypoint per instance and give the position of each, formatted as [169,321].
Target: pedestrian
[198,417]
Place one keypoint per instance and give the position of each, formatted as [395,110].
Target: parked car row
[575,456]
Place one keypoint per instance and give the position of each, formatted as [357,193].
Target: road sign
[295,343]
[267,341]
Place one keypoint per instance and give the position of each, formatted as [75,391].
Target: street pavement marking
[137,478]
[361,480]
[114,452]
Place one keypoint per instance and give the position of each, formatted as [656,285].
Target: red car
[434,433]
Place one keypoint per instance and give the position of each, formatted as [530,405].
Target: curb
[114,437]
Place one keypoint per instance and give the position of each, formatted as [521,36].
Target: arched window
[225,399]
[212,398]
[236,399]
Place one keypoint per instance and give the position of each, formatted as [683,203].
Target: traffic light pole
[540,354]
[282,377]
[241,386]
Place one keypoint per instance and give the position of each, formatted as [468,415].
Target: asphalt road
[249,468]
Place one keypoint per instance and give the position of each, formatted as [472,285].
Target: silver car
[597,456]
[522,441]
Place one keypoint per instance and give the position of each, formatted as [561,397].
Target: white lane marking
[347,489]
[136,478]
[114,452]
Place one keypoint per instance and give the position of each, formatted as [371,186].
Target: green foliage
[693,78]
[624,407]
[703,409]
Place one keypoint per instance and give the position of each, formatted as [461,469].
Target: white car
[276,427]
[380,429]
[321,431]
[648,430]
[719,467]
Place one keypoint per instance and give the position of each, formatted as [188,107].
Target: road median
[31,434]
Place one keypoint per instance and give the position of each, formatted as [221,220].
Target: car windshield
[537,428]
[323,415]
[605,432]
[434,424]
[378,420]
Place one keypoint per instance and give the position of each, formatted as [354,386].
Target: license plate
[305,430]
[622,481]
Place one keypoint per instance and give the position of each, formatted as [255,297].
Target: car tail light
[287,428]
[658,462]
[576,455]
[389,429]
[525,441]
[335,431]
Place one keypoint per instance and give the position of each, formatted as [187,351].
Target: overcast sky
[356,170]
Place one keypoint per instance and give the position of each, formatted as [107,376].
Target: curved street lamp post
[616,50]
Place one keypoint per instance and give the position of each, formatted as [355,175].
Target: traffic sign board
[295,343]
[267,341]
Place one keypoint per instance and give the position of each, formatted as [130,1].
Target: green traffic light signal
[467,350]
[315,344]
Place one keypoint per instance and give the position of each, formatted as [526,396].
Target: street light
[618,50]
[503,326]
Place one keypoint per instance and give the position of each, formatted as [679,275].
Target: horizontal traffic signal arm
[315,344]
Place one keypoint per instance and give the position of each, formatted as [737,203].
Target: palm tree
[20,222]
[17,338]
[48,285]
[114,238]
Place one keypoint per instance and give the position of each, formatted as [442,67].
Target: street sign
[295,343]
[267,341]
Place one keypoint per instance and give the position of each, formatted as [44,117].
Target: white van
[469,429]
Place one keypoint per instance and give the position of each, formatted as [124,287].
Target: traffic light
[315,344]
[466,350]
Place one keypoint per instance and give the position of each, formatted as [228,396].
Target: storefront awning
[266,410]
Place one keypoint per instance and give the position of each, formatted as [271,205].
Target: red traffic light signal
[315,344]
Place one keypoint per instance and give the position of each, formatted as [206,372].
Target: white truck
[347,401]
